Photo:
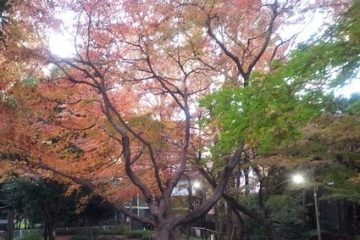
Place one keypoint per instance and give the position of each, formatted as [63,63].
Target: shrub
[110,232]
[32,236]
[62,232]
[80,237]
[142,234]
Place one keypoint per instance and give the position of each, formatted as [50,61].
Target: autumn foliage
[121,116]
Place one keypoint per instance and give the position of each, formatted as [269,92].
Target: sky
[61,43]
[314,26]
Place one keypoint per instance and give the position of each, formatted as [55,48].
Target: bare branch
[269,31]
[218,191]
[235,59]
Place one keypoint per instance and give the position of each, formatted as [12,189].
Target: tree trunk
[234,225]
[219,220]
[10,224]
[45,234]
[255,215]
[355,219]
[270,231]
[166,232]
[238,225]
[51,228]
[229,223]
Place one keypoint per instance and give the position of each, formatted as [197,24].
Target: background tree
[53,204]
[4,19]
[176,94]
[167,63]
[278,116]
[39,201]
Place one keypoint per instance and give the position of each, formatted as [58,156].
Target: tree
[4,19]
[269,112]
[53,204]
[135,80]
[40,201]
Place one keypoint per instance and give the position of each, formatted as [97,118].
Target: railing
[2,235]
[205,233]
[65,230]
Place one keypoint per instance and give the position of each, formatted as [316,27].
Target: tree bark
[238,225]
[166,225]
[259,217]
[10,226]
[270,231]
[49,228]
[45,233]
[229,224]
[166,232]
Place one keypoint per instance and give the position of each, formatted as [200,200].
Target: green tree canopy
[276,105]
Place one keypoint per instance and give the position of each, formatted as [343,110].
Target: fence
[204,233]
[63,231]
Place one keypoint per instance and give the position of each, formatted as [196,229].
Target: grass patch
[32,236]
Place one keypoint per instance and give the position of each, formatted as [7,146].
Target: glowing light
[197,185]
[298,178]
[61,41]
[61,45]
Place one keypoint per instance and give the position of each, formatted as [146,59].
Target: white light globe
[298,178]
[197,185]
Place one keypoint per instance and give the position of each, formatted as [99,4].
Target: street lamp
[196,185]
[200,192]
[299,179]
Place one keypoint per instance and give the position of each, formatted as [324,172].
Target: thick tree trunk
[235,224]
[166,232]
[238,225]
[163,234]
[259,217]
[270,231]
[219,220]
[45,233]
[355,219]
[229,224]
[51,229]
[10,226]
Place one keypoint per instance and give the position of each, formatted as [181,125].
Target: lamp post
[201,192]
[196,185]
[317,213]
[299,179]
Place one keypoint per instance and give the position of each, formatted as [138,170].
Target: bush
[80,237]
[110,237]
[110,232]
[62,232]
[142,234]
[98,235]
[99,231]
[32,236]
